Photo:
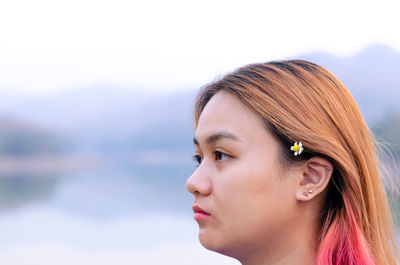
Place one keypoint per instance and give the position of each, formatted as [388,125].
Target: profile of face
[240,182]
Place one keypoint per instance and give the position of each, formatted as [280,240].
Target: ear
[315,174]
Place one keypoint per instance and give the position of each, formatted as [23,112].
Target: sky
[51,46]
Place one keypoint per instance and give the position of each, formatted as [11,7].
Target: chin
[215,244]
[209,241]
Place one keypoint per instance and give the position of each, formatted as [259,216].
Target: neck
[294,246]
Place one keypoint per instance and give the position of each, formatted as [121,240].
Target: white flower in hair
[297,148]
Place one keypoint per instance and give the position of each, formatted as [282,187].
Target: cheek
[251,199]
[254,179]
[245,189]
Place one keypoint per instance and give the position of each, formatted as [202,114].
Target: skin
[259,214]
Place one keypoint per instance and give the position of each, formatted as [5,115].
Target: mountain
[151,133]
[107,116]
[110,119]
[21,139]
[372,76]
[387,131]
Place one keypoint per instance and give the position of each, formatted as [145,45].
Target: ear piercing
[305,193]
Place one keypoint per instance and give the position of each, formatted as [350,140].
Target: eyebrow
[218,136]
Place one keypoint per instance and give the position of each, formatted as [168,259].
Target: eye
[197,159]
[219,155]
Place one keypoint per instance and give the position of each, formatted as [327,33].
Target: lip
[199,213]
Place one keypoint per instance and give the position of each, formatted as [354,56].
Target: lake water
[107,216]
[110,215]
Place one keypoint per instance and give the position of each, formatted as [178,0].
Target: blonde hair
[302,101]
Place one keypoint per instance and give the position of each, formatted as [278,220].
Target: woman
[287,172]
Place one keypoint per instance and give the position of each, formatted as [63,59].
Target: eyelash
[196,158]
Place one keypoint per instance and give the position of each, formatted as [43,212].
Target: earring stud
[327,167]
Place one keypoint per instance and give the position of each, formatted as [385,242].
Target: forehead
[225,112]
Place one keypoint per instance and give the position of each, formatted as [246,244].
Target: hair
[301,101]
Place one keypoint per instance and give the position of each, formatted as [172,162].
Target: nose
[199,182]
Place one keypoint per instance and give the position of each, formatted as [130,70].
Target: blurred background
[96,103]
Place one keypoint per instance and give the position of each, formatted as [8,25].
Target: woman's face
[239,181]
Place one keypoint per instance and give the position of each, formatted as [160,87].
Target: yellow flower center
[296,148]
